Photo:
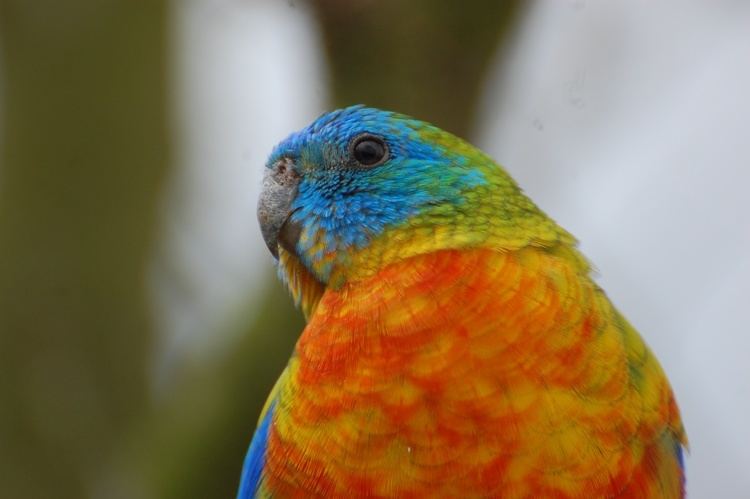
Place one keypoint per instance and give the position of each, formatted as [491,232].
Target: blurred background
[141,325]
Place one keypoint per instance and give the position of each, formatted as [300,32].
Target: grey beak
[274,207]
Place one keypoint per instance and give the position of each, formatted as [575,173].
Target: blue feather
[255,458]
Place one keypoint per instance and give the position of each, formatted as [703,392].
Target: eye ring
[369,150]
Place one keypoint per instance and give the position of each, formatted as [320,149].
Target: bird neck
[437,254]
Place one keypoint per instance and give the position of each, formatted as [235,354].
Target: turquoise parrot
[456,345]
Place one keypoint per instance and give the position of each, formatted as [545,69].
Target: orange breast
[473,374]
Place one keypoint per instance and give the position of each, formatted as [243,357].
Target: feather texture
[485,374]
[456,348]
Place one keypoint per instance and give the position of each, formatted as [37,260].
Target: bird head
[360,188]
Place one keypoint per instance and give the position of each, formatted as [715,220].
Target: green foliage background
[86,151]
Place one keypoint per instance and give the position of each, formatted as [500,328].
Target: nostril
[284,168]
[284,173]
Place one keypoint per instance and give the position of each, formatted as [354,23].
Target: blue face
[362,170]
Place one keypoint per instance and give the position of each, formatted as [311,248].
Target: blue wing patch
[255,458]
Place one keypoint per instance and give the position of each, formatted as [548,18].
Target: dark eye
[369,150]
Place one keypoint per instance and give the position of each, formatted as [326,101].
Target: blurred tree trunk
[426,58]
[84,154]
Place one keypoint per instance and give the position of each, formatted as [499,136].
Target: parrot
[456,344]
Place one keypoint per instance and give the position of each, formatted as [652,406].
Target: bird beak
[280,184]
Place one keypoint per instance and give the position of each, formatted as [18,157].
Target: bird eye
[369,150]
